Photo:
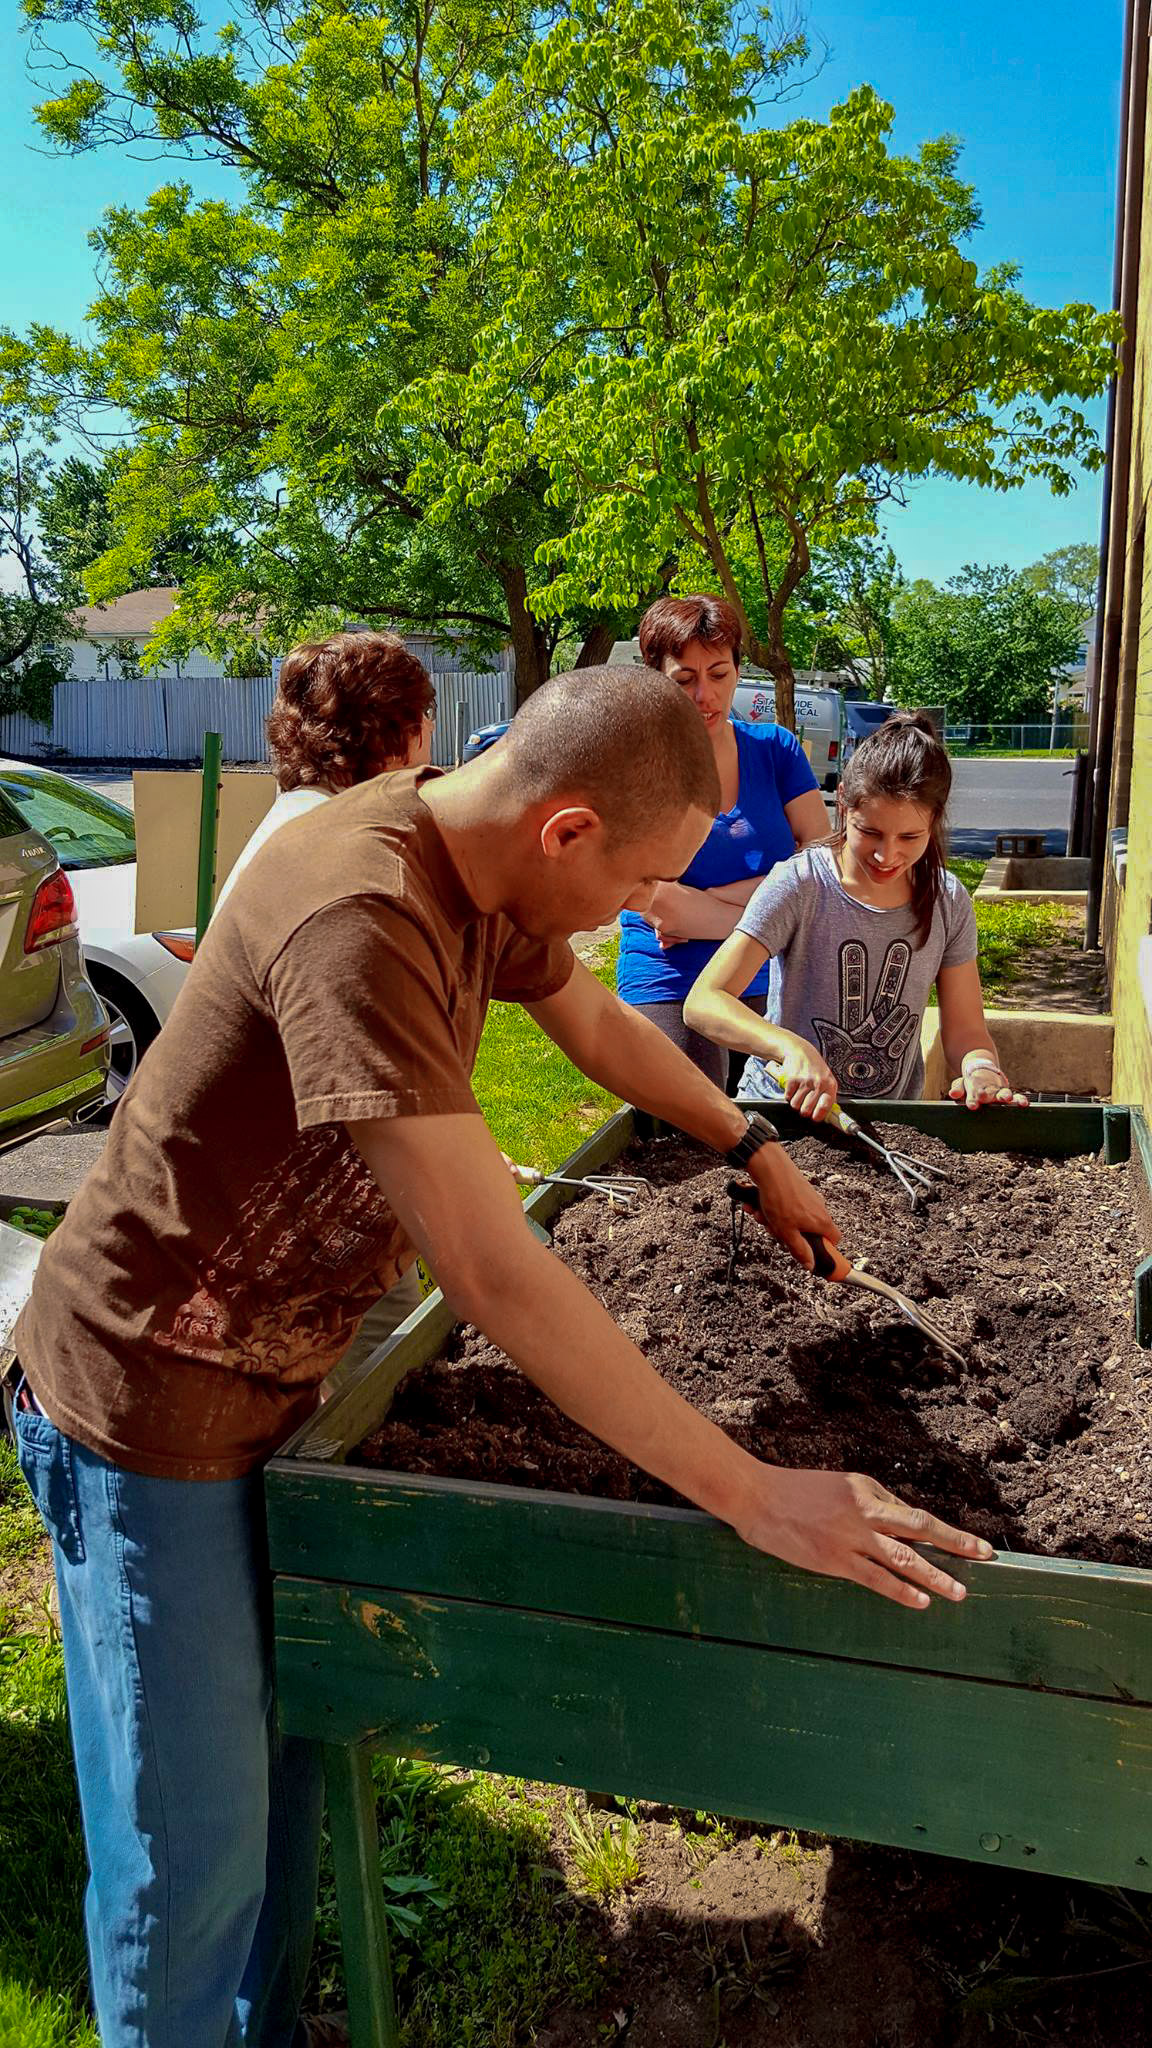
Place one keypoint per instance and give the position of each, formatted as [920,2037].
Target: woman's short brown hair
[344,708]
[670,623]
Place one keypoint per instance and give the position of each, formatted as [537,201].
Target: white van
[819,721]
[819,712]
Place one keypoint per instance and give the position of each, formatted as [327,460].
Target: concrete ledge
[1042,1050]
[1049,880]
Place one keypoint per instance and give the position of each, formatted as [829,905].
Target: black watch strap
[759,1133]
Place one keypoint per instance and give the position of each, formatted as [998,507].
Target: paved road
[1010,796]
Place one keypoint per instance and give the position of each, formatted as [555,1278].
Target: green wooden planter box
[648,1651]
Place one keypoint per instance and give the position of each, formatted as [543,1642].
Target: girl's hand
[808,1083]
[980,1082]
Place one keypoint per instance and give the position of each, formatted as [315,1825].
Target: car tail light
[181,944]
[53,915]
[101,1038]
[833,749]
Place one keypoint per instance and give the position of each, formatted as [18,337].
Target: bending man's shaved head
[628,742]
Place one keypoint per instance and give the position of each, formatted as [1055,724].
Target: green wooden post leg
[363,1927]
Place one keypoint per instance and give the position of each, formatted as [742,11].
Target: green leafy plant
[608,1857]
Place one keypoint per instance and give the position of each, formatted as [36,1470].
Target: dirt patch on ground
[1041,1443]
[1059,976]
[735,1938]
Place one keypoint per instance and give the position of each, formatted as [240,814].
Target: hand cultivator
[831,1264]
[914,1175]
[620,1190]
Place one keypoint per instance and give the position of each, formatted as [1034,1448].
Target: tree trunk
[529,640]
[598,644]
[774,656]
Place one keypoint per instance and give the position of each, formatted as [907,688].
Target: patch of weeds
[707,1836]
[733,1978]
[608,1857]
[785,1845]
[21,1530]
[491,1950]
[1111,1937]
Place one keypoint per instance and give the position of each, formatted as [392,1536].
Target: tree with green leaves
[35,600]
[77,525]
[988,647]
[1070,572]
[848,599]
[737,337]
[266,350]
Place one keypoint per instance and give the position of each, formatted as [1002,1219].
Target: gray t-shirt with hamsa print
[851,979]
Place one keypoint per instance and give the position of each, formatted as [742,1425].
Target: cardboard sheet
[167,806]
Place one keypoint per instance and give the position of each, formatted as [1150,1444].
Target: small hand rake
[831,1264]
[620,1190]
[913,1174]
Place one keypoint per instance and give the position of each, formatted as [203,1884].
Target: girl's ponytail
[905,760]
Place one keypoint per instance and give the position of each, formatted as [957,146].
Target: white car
[138,975]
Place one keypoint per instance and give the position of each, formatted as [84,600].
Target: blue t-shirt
[747,840]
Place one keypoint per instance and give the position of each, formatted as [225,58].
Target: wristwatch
[759,1133]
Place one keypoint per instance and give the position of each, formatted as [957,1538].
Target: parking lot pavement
[50,1169]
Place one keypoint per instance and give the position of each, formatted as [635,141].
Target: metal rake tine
[920,1168]
[620,1183]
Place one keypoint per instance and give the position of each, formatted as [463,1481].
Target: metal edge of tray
[1060,1130]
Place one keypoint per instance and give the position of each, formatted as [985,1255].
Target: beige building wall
[1132,772]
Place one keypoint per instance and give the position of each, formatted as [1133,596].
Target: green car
[53,1030]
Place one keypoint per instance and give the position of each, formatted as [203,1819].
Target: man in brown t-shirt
[304,1126]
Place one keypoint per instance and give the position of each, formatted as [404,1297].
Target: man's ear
[562,830]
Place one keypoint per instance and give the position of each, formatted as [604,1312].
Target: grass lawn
[1007,932]
[960,752]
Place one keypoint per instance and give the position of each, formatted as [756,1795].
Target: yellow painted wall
[1132,1068]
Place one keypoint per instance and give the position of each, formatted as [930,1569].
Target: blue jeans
[202,1825]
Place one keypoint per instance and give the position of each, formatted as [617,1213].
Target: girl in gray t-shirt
[859,930]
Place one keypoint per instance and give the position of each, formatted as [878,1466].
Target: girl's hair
[905,760]
[670,623]
[346,707]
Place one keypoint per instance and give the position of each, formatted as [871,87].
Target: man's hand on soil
[789,1204]
[847,1526]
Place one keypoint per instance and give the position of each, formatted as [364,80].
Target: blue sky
[1030,86]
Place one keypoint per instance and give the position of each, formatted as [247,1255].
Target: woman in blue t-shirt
[771,805]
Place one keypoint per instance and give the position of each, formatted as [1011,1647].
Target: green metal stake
[209,827]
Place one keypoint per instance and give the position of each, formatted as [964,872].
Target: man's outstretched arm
[450,1189]
[629,1055]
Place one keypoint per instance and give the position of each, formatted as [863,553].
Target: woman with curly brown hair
[346,708]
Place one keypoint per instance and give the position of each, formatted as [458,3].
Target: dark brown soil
[768,1939]
[1040,1443]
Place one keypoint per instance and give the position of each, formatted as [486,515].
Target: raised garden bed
[644,1648]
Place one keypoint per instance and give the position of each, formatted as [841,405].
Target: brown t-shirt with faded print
[220,1255]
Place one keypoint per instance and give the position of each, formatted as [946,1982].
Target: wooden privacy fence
[164,718]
